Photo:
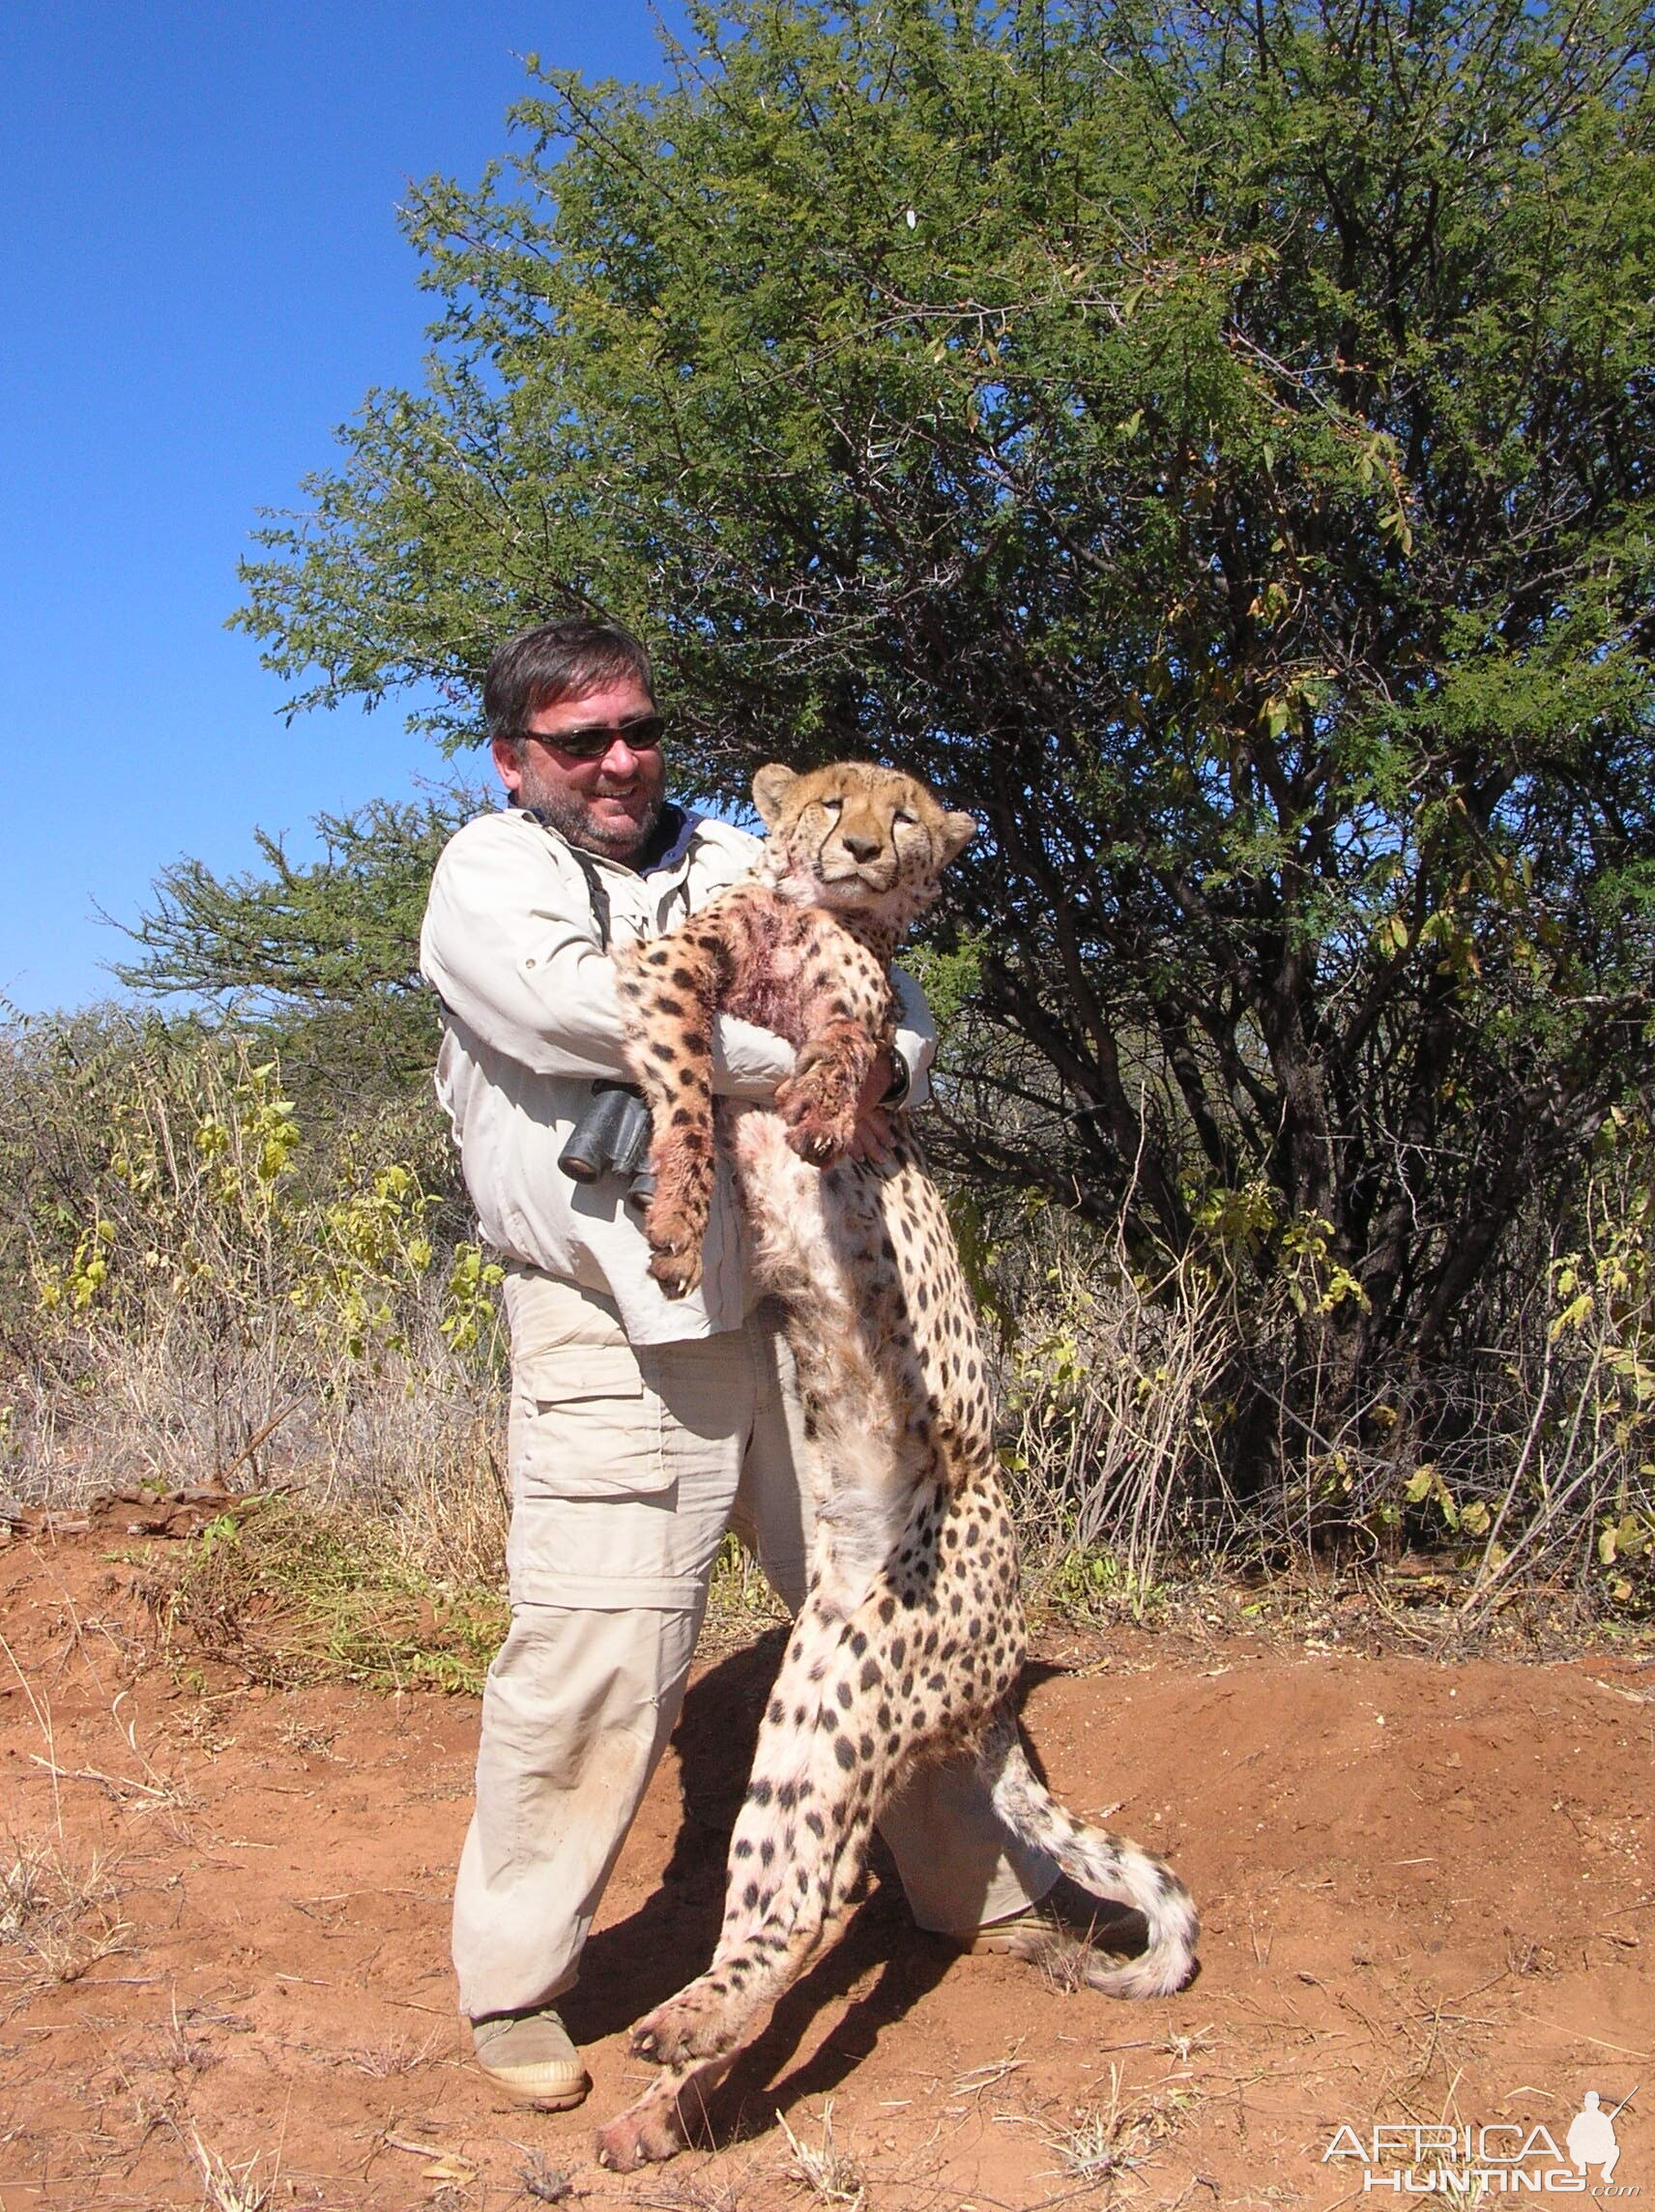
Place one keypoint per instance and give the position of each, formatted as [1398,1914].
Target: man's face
[609,806]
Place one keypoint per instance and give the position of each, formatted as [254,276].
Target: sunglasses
[594,740]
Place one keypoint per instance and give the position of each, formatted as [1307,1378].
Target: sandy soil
[1426,1890]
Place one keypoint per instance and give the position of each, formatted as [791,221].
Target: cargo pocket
[585,1424]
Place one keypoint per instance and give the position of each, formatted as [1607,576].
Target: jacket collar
[677,825]
[680,823]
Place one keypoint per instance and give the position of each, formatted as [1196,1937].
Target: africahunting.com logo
[1474,2161]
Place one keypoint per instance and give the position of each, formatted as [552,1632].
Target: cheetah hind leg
[756,1965]
[715,2013]
[799,1842]
[816,1802]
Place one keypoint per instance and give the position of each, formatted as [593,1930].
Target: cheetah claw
[686,2028]
[675,1247]
[818,1148]
[677,1270]
[818,1131]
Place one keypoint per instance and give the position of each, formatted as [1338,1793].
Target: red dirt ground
[1426,1892]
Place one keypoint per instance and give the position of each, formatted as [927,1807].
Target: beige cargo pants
[627,1466]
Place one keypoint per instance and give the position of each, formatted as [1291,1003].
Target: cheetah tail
[1105,1865]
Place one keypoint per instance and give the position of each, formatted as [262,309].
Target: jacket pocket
[585,1424]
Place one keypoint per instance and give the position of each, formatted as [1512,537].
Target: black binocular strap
[602,913]
[600,909]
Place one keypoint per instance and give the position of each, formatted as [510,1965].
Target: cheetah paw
[643,2133]
[675,1249]
[692,2026]
[677,1272]
[819,1127]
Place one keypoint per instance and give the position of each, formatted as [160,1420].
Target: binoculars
[612,1137]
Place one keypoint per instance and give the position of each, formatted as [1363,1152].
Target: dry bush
[195,1288]
[1522,1459]
[1523,1465]
[1111,1383]
[1565,1499]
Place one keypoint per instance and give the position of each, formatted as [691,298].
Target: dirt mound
[1426,1892]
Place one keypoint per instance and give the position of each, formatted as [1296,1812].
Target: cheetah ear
[770,787]
[958,830]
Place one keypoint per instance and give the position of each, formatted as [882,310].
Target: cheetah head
[854,836]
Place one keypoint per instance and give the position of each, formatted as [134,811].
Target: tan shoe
[1070,1934]
[529,2056]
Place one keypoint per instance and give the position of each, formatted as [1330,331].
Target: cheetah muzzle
[909,1643]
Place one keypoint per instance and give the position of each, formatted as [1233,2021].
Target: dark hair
[558,660]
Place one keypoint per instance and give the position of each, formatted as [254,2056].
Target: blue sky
[202,275]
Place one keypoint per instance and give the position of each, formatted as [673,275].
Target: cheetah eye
[831,805]
[902,815]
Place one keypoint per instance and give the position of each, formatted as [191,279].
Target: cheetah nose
[863,848]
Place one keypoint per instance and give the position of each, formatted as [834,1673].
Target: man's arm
[916,1043]
[901,1077]
[507,945]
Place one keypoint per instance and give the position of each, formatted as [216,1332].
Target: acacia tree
[320,955]
[1214,446]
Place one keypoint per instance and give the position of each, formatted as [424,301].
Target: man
[641,1427]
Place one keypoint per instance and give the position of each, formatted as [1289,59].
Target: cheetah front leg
[846,1011]
[818,1101]
[669,988]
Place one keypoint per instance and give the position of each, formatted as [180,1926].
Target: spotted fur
[909,1643]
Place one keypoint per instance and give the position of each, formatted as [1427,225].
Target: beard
[573,817]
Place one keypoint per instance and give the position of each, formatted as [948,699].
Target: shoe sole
[539,2100]
[1011,1937]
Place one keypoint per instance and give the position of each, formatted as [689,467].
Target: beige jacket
[531,1016]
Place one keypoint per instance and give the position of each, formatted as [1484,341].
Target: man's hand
[872,1141]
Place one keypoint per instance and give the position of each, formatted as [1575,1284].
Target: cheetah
[910,1641]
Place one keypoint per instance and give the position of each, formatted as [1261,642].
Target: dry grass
[397,2055]
[308,1739]
[741,1604]
[58,1912]
[545,2183]
[1107,2140]
[412,1441]
[290,1594]
[181,2048]
[226,2188]
[825,2169]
